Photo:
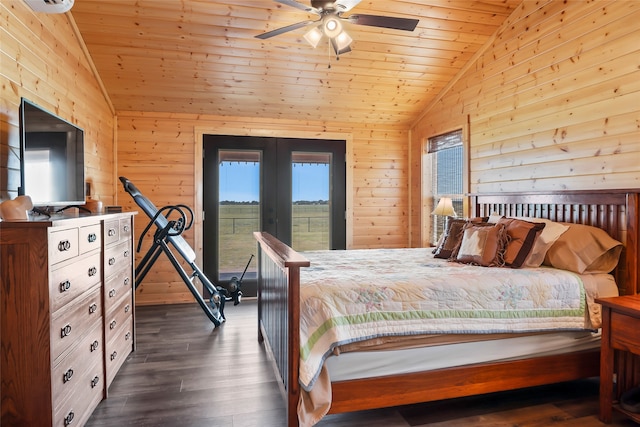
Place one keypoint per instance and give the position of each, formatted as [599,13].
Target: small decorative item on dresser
[93,205]
[16,209]
[113,209]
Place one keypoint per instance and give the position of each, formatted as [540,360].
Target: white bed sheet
[353,365]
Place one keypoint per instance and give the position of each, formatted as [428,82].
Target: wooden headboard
[615,211]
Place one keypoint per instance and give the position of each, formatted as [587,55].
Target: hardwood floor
[186,373]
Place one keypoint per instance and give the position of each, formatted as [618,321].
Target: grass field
[238,222]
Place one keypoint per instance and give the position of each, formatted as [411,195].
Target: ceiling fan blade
[345,5]
[282,30]
[300,6]
[405,24]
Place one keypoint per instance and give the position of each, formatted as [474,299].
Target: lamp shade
[444,207]
[313,36]
[343,41]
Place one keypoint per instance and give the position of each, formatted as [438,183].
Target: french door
[291,188]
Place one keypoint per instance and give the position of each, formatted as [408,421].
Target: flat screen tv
[52,158]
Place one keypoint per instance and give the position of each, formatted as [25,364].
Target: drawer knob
[65,286]
[67,376]
[126,228]
[91,237]
[64,245]
[69,418]
[111,232]
[95,381]
[127,336]
[65,331]
[94,346]
[114,355]
[93,308]
[126,281]
[127,308]
[112,261]
[112,293]
[92,271]
[112,324]
[126,254]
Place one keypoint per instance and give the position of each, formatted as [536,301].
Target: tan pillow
[482,244]
[584,249]
[522,236]
[551,232]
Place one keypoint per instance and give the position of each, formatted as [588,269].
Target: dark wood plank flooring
[185,373]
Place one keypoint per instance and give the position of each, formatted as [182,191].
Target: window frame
[429,199]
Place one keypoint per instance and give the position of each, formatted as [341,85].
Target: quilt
[354,295]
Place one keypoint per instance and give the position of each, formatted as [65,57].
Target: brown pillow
[584,249]
[482,244]
[522,236]
[451,236]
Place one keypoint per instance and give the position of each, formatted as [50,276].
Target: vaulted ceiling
[202,57]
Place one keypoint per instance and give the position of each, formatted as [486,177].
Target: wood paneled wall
[553,102]
[162,155]
[43,60]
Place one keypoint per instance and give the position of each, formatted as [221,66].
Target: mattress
[363,364]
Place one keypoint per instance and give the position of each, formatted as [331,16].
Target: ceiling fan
[330,23]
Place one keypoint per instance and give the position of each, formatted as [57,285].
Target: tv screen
[52,158]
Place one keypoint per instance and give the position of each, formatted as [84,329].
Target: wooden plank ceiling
[202,57]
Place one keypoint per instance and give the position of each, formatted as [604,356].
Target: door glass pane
[310,213]
[239,211]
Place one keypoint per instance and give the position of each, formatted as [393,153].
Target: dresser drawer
[126,229]
[63,245]
[117,287]
[117,258]
[90,238]
[84,398]
[67,282]
[71,323]
[118,348]
[117,230]
[75,367]
[114,320]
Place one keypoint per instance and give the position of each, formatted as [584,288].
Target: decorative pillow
[522,235]
[451,236]
[494,218]
[551,232]
[584,249]
[482,244]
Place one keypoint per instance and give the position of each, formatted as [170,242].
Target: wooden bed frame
[617,212]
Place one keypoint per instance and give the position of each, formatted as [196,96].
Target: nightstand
[620,331]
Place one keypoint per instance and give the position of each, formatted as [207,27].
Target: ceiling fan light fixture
[341,44]
[332,27]
[343,41]
[313,36]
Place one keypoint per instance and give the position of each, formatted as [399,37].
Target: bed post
[632,275]
[279,314]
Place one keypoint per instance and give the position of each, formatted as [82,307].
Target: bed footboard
[279,314]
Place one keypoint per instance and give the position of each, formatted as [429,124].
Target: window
[445,156]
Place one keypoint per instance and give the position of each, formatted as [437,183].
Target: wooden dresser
[66,313]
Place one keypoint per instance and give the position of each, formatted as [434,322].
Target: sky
[239,181]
